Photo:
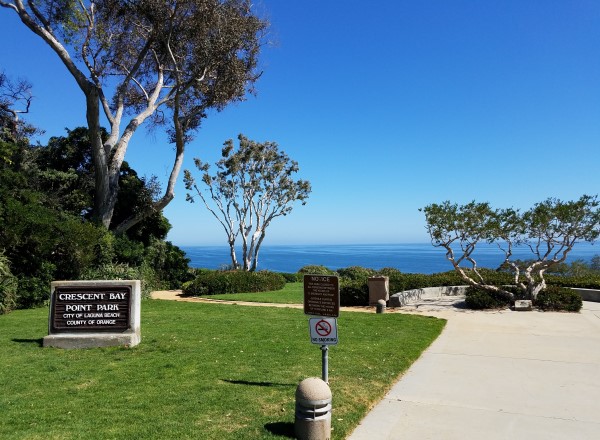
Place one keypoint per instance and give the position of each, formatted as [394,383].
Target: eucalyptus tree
[550,230]
[159,62]
[253,186]
[15,100]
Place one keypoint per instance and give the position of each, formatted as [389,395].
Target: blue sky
[387,106]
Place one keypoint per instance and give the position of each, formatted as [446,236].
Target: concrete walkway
[498,375]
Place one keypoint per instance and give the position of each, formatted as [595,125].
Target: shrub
[479,299]
[354,293]
[389,272]
[122,271]
[8,286]
[559,299]
[316,270]
[356,273]
[589,281]
[34,291]
[216,282]
[291,277]
[169,263]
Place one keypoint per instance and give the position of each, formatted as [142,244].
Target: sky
[387,106]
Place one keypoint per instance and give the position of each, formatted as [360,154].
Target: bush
[479,299]
[354,293]
[8,286]
[356,273]
[316,270]
[169,263]
[389,272]
[291,277]
[34,291]
[216,282]
[557,298]
[121,271]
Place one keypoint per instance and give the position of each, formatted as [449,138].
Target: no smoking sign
[323,331]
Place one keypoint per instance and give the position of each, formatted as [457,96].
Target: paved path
[498,375]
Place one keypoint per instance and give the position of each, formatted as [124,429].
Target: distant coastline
[409,258]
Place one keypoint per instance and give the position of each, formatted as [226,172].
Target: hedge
[235,281]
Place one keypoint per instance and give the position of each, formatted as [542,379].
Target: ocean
[408,258]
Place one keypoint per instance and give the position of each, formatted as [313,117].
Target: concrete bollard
[313,410]
[381,306]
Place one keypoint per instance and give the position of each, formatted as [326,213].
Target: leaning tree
[163,62]
[253,186]
[550,230]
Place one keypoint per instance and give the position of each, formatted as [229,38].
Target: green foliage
[218,282]
[550,229]
[389,272]
[356,273]
[122,271]
[291,277]
[45,203]
[169,263]
[477,298]
[587,281]
[43,244]
[354,293]
[128,251]
[8,286]
[559,299]
[316,270]
[251,187]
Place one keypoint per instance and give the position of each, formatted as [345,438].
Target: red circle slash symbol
[323,328]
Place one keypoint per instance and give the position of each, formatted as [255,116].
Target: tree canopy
[164,63]
[45,202]
[550,230]
[252,186]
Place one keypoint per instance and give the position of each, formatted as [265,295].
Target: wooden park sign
[86,314]
[322,295]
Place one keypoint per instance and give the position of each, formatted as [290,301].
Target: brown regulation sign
[322,295]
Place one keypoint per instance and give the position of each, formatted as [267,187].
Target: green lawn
[292,293]
[202,371]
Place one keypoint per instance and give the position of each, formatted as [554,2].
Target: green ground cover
[292,293]
[205,371]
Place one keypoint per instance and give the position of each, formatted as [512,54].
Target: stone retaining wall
[402,298]
[588,294]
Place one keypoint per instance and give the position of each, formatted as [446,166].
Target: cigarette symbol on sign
[323,328]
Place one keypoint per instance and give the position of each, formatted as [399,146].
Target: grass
[292,293]
[208,371]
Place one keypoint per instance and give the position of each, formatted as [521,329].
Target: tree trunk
[105,187]
[233,256]
[256,249]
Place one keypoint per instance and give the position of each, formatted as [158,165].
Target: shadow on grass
[281,429]
[258,384]
[39,342]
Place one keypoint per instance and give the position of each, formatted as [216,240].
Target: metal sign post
[322,298]
[323,332]
[325,363]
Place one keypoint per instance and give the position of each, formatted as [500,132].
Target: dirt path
[176,295]
[433,308]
